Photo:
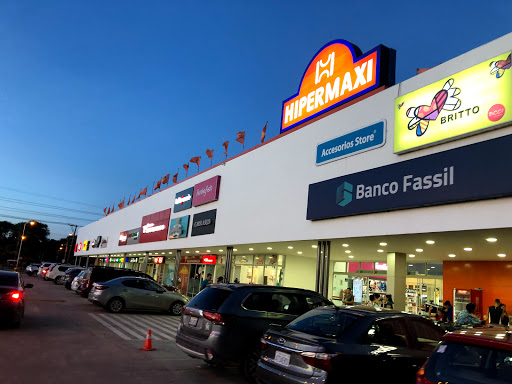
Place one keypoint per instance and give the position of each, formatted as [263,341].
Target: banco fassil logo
[344,194]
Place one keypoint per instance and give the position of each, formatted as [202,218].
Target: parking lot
[64,337]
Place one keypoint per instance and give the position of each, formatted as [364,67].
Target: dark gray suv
[223,324]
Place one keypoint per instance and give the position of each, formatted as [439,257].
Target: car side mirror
[29,285]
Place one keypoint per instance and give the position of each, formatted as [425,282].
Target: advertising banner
[104,242]
[204,223]
[123,238]
[133,236]
[473,172]
[183,199]
[207,191]
[463,104]
[155,226]
[179,227]
[337,74]
[361,140]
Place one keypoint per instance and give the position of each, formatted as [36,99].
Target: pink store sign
[206,191]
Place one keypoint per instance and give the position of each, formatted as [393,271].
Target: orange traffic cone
[148,344]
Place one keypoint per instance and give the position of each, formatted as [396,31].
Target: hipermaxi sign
[473,172]
[337,74]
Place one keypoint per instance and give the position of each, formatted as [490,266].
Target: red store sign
[154,227]
[210,259]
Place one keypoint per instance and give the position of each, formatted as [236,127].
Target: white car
[43,267]
[77,280]
[57,272]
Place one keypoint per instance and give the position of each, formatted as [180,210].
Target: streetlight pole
[67,255]
[21,242]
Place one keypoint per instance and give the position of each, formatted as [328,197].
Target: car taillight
[420,376]
[100,287]
[44,271]
[322,361]
[215,318]
[263,341]
[183,309]
[15,296]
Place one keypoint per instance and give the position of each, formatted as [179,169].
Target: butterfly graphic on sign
[443,100]
[401,105]
[498,67]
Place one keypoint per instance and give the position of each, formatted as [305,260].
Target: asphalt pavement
[65,338]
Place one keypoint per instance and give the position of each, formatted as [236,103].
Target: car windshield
[9,280]
[469,364]
[321,322]
[210,298]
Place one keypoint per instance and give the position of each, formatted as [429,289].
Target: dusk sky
[99,99]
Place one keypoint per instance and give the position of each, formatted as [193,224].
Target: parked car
[32,269]
[100,274]
[57,272]
[223,323]
[345,344]
[136,293]
[70,274]
[77,281]
[43,269]
[12,298]
[471,356]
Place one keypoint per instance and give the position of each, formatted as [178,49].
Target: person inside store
[387,301]
[446,312]
[494,312]
[376,300]
[504,314]
[220,280]
[348,297]
[467,316]
[206,281]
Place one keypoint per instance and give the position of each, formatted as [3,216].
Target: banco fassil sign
[337,74]
[474,172]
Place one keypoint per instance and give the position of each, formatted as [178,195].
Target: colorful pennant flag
[226,145]
[241,138]
[196,160]
[165,179]
[263,132]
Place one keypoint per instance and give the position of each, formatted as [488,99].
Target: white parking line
[120,334]
[138,331]
[159,330]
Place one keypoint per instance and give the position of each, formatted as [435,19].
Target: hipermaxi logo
[344,194]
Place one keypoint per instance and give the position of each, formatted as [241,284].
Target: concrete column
[108,262]
[87,262]
[319,268]
[326,262]
[229,264]
[396,278]
[124,262]
[176,268]
[144,263]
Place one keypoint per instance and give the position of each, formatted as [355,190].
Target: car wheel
[249,364]
[115,305]
[57,280]
[176,308]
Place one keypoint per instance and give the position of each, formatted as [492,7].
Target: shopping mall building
[403,189]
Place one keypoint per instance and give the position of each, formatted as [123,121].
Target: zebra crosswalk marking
[135,326]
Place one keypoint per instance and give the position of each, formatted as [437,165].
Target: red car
[472,356]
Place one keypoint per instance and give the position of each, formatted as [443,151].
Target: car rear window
[323,323]
[9,280]
[469,364]
[210,298]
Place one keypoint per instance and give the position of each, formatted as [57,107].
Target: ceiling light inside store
[235,249]
[208,251]
[501,255]
[150,253]
[430,242]
[197,251]
[412,255]
[350,256]
[383,244]
[432,267]
[187,252]
[345,245]
[300,253]
[269,248]
[468,249]
[220,250]
[251,249]
[491,239]
[290,247]
[410,265]
[348,251]
[380,250]
[451,255]
[419,250]
[314,246]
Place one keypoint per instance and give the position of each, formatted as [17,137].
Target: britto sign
[337,74]
[466,103]
[155,226]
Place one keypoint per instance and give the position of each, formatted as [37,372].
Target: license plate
[193,321]
[282,358]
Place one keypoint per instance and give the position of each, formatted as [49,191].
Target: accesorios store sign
[207,191]
[204,223]
[179,227]
[337,74]
[183,199]
[463,104]
[472,172]
[155,226]
[361,140]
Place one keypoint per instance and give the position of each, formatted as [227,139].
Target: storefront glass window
[259,269]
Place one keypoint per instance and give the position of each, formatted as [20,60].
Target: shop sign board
[133,260]
[466,103]
[360,140]
[337,74]
[191,260]
[204,223]
[157,260]
[183,200]
[206,191]
[96,242]
[104,242]
[179,227]
[209,259]
[123,238]
[85,246]
[472,172]
[155,226]
[133,236]
[79,246]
